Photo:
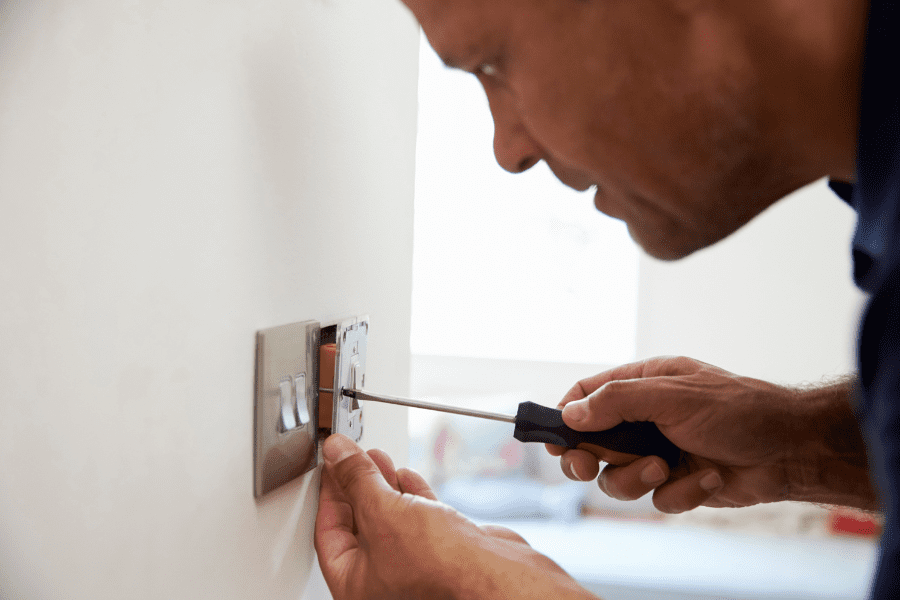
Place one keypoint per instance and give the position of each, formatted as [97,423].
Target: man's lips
[601,202]
[571,179]
[576,184]
[579,186]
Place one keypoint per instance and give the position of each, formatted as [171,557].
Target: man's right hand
[744,441]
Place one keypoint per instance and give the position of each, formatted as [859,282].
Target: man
[690,117]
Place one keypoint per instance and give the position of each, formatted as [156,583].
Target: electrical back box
[287,395]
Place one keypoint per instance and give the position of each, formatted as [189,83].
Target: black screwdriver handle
[537,423]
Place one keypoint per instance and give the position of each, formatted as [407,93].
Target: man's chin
[671,241]
[664,248]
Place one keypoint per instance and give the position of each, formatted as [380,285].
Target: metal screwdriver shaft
[364,395]
[536,423]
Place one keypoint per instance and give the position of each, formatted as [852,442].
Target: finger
[589,385]
[630,482]
[648,399]
[413,483]
[334,531]
[661,366]
[651,367]
[356,475]
[579,465]
[555,450]
[386,466]
[603,454]
[606,455]
[688,492]
[503,533]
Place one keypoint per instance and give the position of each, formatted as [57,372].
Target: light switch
[288,404]
[301,403]
[286,391]
[287,395]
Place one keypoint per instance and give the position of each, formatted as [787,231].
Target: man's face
[652,105]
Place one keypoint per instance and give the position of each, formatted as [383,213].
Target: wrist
[500,568]
[827,463]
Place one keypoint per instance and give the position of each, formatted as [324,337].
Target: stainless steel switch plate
[287,390]
[351,338]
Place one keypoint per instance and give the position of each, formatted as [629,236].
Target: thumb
[354,472]
[620,400]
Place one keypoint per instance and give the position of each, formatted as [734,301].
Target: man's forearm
[830,464]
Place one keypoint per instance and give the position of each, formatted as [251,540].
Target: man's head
[689,116]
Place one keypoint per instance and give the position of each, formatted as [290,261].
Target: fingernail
[576,411]
[575,473]
[711,481]
[652,475]
[337,448]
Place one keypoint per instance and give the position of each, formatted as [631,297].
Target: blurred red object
[844,521]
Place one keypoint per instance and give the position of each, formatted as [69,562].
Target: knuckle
[377,454]
[610,388]
[681,364]
[658,363]
[353,470]
[579,390]
[576,392]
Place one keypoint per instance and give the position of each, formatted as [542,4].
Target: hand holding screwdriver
[536,423]
[744,441]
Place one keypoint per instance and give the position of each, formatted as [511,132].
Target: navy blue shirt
[876,268]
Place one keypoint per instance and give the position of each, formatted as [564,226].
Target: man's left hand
[381,533]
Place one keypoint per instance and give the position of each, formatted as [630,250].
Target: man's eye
[488,70]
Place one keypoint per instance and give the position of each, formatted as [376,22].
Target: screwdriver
[537,423]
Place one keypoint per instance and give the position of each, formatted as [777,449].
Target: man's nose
[514,147]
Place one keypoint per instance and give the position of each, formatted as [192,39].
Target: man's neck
[810,54]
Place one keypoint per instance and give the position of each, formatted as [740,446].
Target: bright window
[508,266]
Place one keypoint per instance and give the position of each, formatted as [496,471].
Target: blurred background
[521,288]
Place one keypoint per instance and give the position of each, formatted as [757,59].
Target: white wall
[175,175]
[776,300]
